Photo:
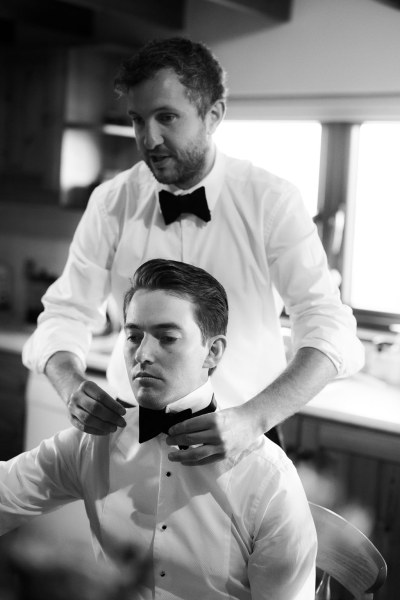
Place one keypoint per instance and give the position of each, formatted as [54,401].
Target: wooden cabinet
[31,107]
[13,377]
[355,471]
[98,141]
[54,104]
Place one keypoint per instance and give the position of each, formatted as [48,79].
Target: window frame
[341,116]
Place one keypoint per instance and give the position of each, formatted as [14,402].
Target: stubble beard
[188,168]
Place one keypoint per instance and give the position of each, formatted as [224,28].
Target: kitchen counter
[361,400]
[13,337]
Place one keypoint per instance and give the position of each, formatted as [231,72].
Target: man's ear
[215,116]
[216,349]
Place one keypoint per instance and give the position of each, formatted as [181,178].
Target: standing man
[239,528]
[250,229]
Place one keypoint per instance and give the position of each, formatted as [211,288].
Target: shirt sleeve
[75,304]
[41,480]
[282,563]
[301,275]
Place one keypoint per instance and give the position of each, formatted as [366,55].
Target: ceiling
[108,21]
[121,22]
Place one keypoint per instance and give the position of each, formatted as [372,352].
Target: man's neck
[196,400]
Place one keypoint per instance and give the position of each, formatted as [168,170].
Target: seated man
[239,528]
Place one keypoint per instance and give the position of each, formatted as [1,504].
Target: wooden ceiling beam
[166,13]
[279,10]
[48,14]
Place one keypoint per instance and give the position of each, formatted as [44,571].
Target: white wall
[328,47]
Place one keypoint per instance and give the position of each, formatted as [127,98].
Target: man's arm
[227,432]
[40,480]
[281,564]
[90,408]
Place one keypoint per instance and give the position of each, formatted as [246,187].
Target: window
[347,174]
[290,149]
[372,250]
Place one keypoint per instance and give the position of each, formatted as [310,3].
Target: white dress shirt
[237,529]
[260,244]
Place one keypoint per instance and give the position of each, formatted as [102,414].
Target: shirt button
[168,473]
[164,527]
[162,573]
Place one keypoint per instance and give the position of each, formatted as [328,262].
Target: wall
[328,47]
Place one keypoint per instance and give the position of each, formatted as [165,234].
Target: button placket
[161,537]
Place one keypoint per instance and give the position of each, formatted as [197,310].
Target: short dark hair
[187,281]
[195,65]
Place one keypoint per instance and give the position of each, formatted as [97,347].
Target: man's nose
[145,352]
[152,136]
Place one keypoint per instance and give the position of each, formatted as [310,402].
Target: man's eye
[136,121]
[166,118]
[167,339]
[134,339]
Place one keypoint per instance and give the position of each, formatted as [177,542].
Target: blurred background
[314,96]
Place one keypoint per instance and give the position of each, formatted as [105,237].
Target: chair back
[346,555]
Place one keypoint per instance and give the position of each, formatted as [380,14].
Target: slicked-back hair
[186,281]
[197,69]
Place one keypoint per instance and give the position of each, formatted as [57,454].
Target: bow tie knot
[153,422]
[172,206]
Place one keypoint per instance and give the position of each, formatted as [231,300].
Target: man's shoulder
[138,175]
[239,169]
[265,454]
[262,469]
[124,191]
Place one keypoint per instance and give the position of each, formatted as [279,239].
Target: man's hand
[219,434]
[225,433]
[90,408]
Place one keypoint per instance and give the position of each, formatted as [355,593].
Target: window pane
[290,149]
[375,270]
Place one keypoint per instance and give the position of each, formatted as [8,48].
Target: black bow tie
[153,422]
[173,206]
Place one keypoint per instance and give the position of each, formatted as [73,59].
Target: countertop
[361,400]
[13,337]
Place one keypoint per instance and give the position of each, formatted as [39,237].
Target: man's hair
[197,68]
[185,281]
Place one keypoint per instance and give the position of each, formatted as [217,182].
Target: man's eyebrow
[164,107]
[170,325]
[131,326]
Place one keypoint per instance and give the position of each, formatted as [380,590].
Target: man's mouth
[144,375]
[159,160]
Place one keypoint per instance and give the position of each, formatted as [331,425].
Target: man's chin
[148,399]
[164,176]
[168,176]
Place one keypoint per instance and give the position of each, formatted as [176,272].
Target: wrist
[256,413]
[66,374]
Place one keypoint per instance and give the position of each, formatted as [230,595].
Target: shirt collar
[196,400]
[212,182]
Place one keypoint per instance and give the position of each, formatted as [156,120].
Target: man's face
[174,140]
[164,352]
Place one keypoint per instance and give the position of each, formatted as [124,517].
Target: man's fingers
[92,410]
[92,423]
[198,430]
[192,439]
[92,390]
[202,423]
[92,430]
